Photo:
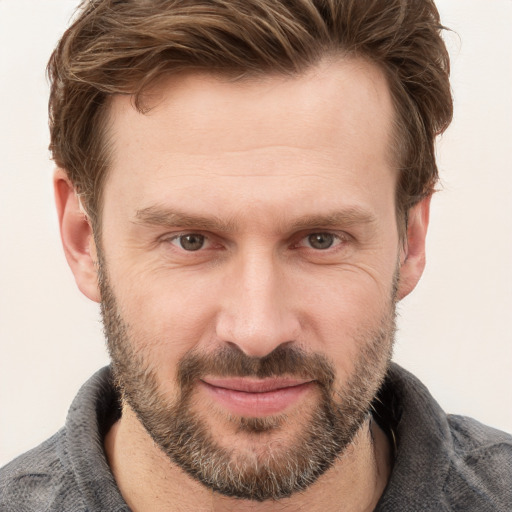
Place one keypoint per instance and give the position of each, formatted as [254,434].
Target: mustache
[230,361]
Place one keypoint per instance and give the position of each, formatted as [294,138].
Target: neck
[148,480]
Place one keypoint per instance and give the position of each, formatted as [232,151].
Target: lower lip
[248,404]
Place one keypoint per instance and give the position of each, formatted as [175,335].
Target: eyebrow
[348,217]
[166,217]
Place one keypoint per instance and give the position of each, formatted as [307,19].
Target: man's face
[249,255]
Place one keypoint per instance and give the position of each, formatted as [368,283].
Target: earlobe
[412,257]
[76,235]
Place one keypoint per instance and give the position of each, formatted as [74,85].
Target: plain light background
[454,331]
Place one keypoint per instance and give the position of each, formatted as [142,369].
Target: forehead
[336,92]
[271,136]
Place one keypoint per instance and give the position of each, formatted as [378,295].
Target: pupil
[321,240]
[192,242]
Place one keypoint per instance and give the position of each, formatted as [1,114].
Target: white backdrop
[454,331]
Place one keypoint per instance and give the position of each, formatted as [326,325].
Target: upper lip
[251,385]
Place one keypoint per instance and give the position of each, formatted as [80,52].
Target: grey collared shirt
[442,462]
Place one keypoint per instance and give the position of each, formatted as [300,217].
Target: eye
[321,241]
[324,240]
[190,241]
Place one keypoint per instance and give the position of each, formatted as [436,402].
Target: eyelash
[338,240]
[177,237]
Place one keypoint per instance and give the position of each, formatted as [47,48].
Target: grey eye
[321,240]
[192,242]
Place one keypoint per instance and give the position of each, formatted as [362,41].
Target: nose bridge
[256,315]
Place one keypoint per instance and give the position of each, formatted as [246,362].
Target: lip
[256,397]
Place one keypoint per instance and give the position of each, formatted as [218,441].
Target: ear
[76,235]
[412,257]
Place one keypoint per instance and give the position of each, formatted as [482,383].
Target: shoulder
[442,462]
[480,466]
[69,472]
[472,437]
[40,480]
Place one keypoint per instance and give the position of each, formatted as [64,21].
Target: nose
[256,313]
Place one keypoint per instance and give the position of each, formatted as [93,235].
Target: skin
[256,166]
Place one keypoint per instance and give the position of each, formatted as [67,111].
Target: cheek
[171,312]
[166,320]
[345,314]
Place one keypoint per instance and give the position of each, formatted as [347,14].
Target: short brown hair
[123,46]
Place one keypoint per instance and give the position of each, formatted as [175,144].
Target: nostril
[257,348]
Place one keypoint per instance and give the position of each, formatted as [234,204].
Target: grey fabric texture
[442,462]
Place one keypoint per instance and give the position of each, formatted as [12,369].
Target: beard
[272,468]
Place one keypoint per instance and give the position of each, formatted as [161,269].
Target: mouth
[256,397]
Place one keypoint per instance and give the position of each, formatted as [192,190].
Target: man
[245,188]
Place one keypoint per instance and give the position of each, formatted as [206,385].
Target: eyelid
[171,238]
[340,236]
